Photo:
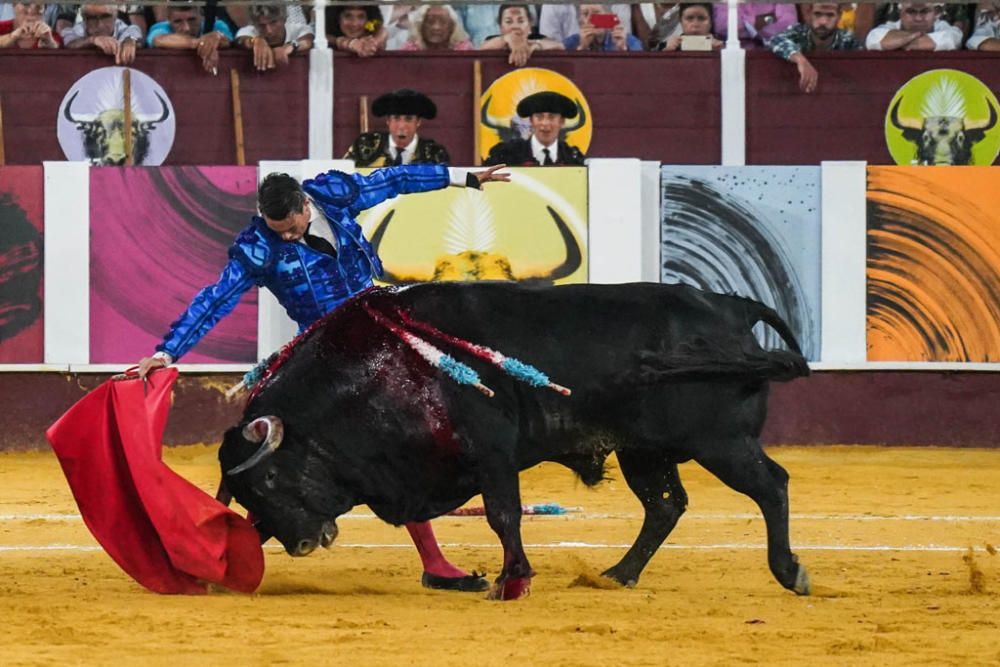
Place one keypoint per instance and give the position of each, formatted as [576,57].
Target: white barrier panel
[67,262]
[615,207]
[842,281]
[652,226]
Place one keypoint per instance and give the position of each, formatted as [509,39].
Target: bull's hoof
[802,584]
[471,583]
[513,588]
[611,574]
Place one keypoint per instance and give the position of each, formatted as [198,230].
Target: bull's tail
[758,312]
[696,362]
[737,356]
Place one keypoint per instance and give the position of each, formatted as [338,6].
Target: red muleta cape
[165,532]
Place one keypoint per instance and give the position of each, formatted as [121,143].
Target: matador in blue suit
[313,262]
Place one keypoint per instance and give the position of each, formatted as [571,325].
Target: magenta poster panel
[157,236]
[22,335]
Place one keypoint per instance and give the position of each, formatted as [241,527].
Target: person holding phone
[695,22]
[601,30]
[27,30]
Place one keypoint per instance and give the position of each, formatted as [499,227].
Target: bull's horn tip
[565,391]
[489,393]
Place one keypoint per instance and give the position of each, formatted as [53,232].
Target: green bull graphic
[943,117]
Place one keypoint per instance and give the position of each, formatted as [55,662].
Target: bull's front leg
[502,499]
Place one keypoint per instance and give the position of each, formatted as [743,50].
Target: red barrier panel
[653,106]
[845,118]
[275,104]
[656,106]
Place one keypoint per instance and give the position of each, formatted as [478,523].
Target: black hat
[547,101]
[404,102]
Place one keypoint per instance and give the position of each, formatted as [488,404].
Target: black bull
[660,374]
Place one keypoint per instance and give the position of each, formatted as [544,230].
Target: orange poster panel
[933,264]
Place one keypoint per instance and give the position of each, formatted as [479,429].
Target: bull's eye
[270,477]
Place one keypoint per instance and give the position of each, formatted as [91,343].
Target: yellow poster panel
[534,227]
[933,264]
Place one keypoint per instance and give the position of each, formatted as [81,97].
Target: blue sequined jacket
[308,283]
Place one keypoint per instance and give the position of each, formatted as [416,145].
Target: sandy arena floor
[885,533]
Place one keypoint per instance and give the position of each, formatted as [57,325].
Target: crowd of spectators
[272,33]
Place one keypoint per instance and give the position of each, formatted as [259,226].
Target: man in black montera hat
[404,111]
[548,112]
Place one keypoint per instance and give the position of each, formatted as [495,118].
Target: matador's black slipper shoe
[471,583]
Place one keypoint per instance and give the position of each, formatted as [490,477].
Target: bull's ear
[912,135]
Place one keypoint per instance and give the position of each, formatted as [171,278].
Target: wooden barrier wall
[845,118]
[275,105]
[653,106]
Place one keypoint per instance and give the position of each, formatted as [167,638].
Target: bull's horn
[164,112]
[271,441]
[579,121]
[387,275]
[68,112]
[904,123]
[987,124]
[573,255]
[489,121]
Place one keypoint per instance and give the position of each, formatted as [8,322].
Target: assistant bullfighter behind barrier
[366,409]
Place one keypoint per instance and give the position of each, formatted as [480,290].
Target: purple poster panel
[22,336]
[157,236]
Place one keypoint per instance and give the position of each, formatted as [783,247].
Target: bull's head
[480,265]
[104,133]
[281,482]
[941,139]
[516,130]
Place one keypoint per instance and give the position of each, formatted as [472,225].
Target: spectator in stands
[100,28]
[480,20]
[27,30]
[758,23]
[144,16]
[695,21]
[437,28]
[396,19]
[593,35]
[916,30]
[986,36]
[548,112]
[517,36]
[183,30]
[819,33]
[60,17]
[404,110]
[356,29]
[559,22]
[272,37]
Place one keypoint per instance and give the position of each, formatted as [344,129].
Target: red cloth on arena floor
[165,532]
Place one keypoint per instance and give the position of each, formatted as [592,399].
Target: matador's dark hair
[280,195]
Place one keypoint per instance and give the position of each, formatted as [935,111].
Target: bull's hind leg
[743,466]
[658,487]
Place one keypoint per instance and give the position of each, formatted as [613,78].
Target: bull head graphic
[945,135]
[479,263]
[513,129]
[104,132]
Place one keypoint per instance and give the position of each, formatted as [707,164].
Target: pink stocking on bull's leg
[438,572]
[502,498]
